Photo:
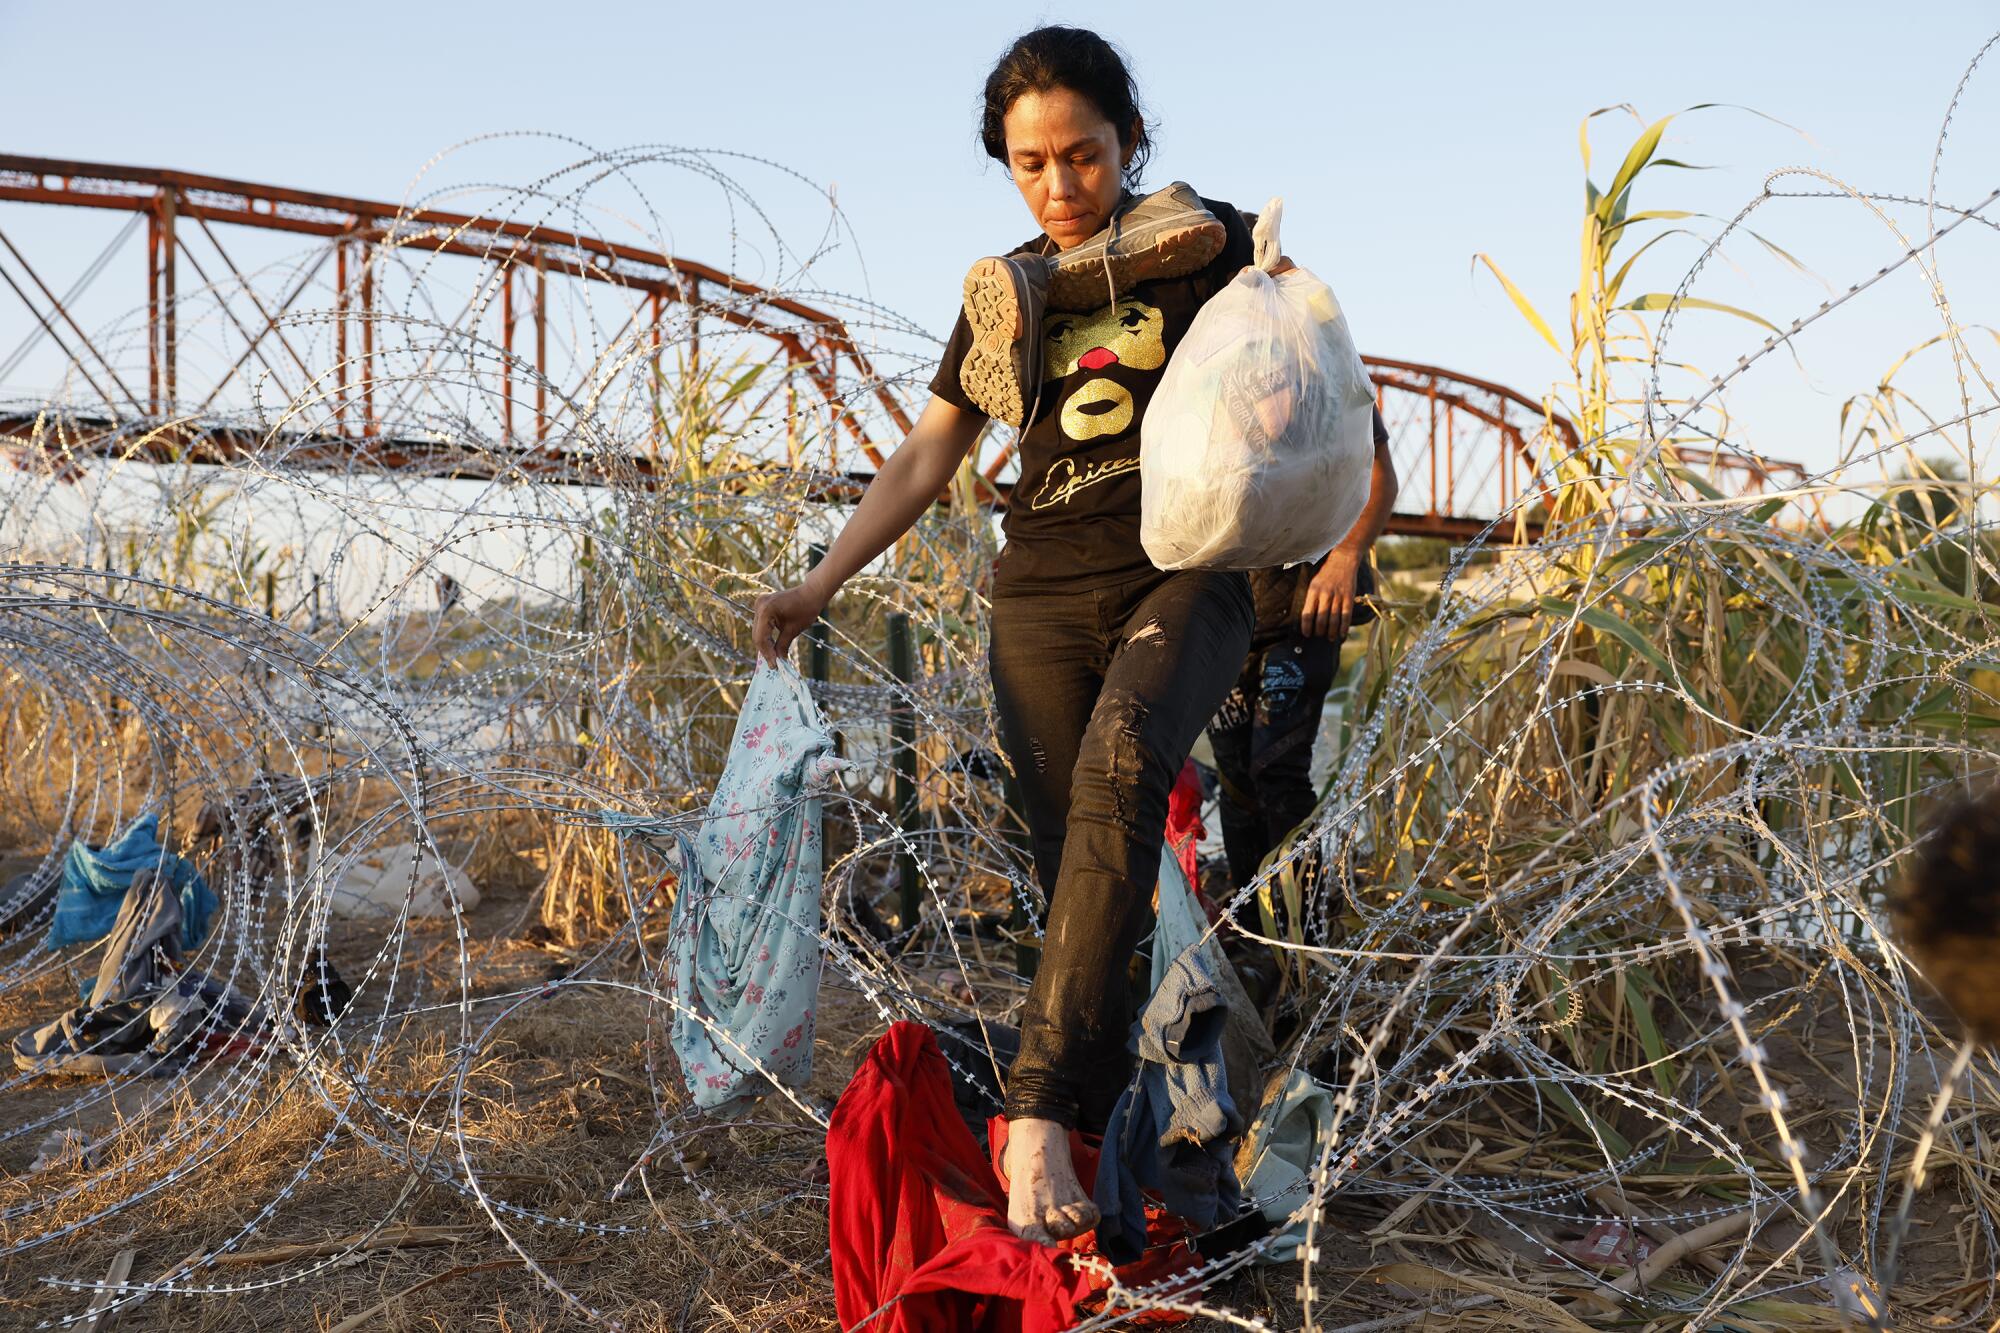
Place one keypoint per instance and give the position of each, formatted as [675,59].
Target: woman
[1104,668]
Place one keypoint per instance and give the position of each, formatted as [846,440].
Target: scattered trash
[381,883]
[143,1014]
[62,1147]
[322,994]
[1608,1244]
[1855,1295]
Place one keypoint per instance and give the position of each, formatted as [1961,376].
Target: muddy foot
[1045,1201]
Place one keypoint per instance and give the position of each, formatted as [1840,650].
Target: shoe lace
[1116,227]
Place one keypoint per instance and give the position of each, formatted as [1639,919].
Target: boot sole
[994,372]
[1175,252]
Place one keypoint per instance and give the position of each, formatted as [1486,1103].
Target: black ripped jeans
[1263,734]
[1100,695]
[1263,738]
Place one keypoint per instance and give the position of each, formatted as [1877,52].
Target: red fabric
[1168,1250]
[1184,827]
[918,1217]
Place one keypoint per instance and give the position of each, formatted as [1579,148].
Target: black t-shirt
[1074,518]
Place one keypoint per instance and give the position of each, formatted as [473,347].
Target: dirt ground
[725,1231]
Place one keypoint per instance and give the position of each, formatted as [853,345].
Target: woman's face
[1067,162]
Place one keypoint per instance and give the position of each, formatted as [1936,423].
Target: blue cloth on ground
[142,1013]
[1173,1129]
[1279,1153]
[94,881]
[744,937]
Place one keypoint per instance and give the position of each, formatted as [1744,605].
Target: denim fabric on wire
[94,881]
[1175,1127]
[1183,926]
[1100,695]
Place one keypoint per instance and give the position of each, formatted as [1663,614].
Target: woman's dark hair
[1076,59]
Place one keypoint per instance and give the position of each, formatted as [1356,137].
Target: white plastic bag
[382,882]
[1256,446]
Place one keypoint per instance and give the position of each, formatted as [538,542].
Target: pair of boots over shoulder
[1166,234]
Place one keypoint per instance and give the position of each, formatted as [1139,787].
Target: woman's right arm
[908,483]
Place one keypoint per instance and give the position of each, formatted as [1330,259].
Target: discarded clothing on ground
[1279,1153]
[917,1218]
[95,880]
[384,883]
[143,1014]
[27,887]
[1173,1131]
[1182,923]
[745,932]
[979,1051]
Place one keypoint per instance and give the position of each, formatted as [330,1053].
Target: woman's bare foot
[1045,1201]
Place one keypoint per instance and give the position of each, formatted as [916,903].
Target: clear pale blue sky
[1404,138]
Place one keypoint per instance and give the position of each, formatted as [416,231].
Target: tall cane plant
[1761,689]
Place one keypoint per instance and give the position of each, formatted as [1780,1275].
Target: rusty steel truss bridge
[311,332]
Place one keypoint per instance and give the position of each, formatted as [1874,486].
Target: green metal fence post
[903,735]
[819,660]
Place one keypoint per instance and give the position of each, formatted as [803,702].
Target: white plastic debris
[378,883]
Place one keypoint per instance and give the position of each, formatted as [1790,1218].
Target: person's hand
[781,617]
[1329,607]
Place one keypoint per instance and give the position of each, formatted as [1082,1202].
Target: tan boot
[1004,299]
[1167,234]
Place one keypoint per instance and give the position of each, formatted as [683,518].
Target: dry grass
[1593,798]
[556,1109]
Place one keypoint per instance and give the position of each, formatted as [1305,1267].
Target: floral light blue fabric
[745,931]
[95,879]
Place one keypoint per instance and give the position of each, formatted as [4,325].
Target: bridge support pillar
[162,338]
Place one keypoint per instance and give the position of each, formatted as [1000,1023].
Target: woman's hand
[1329,607]
[780,617]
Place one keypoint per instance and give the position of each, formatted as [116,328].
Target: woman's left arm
[1329,603]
